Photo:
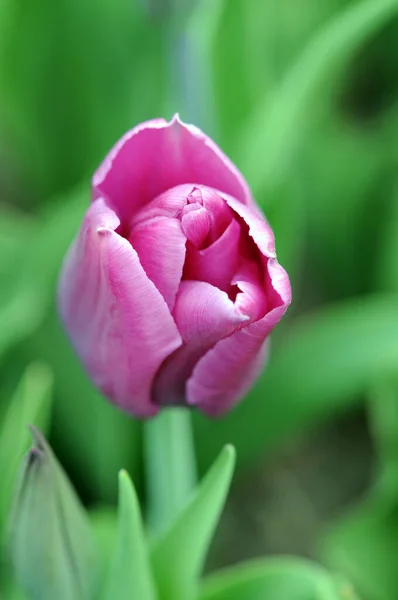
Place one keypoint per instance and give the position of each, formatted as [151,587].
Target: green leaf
[24,309]
[278,122]
[51,543]
[386,273]
[357,161]
[15,231]
[277,579]
[30,404]
[200,35]
[364,546]
[130,575]
[104,524]
[383,424]
[318,369]
[54,93]
[364,543]
[179,554]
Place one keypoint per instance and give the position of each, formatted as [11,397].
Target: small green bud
[51,543]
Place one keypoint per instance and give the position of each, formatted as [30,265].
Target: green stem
[170,465]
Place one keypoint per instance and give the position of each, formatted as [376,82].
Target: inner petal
[168,204]
[196,223]
[222,214]
[251,299]
[217,263]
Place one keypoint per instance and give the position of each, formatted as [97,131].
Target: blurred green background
[303,96]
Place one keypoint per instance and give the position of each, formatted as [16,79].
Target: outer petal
[204,315]
[156,156]
[227,371]
[160,244]
[259,228]
[117,319]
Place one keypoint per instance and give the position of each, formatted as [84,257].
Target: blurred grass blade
[19,307]
[383,423]
[104,524]
[178,555]
[265,146]
[364,546]
[15,231]
[198,75]
[59,224]
[53,92]
[33,288]
[130,575]
[30,404]
[319,369]
[277,579]
[364,543]
[19,317]
[51,544]
[386,272]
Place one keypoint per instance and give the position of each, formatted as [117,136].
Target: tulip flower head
[172,286]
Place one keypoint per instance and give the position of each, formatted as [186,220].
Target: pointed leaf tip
[130,575]
[179,554]
[38,437]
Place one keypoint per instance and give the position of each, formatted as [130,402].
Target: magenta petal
[227,371]
[196,224]
[259,228]
[219,209]
[156,156]
[204,315]
[169,204]
[118,321]
[160,244]
[216,264]
[252,299]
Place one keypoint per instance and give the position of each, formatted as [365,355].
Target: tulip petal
[160,244]
[204,315]
[118,321]
[196,224]
[169,204]
[221,212]
[216,264]
[252,299]
[227,371]
[156,156]
[259,228]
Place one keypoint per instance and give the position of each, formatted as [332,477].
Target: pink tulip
[172,287]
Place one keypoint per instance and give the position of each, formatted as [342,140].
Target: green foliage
[30,404]
[54,551]
[276,125]
[276,578]
[178,555]
[131,575]
[61,76]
